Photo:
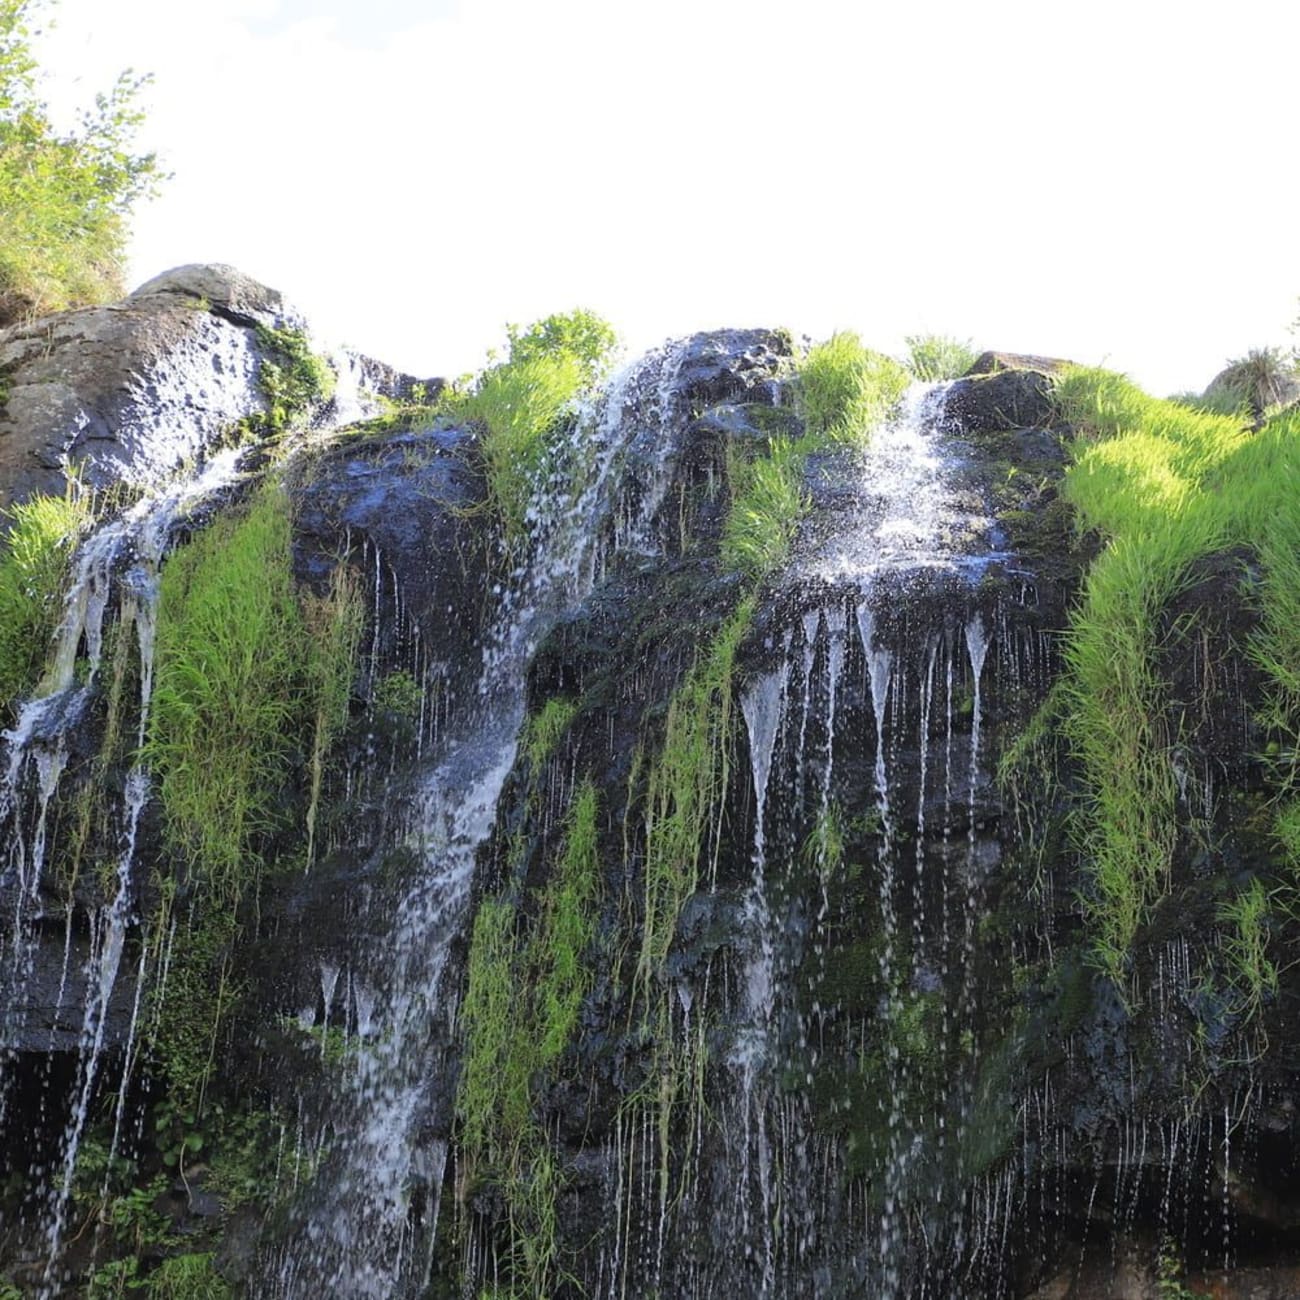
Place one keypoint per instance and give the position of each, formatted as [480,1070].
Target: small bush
[64,198]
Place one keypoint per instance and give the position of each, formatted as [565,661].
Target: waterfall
[367,1228]
[118,561]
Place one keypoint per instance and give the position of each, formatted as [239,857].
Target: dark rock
[1007,399]
[988,363]
[725,365]
[129,391]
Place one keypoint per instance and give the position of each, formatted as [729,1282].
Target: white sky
[1113,181]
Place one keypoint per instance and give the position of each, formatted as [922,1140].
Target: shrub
[64,198]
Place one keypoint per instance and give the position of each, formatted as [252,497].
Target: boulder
[989,363]
[129,391]
[993,401]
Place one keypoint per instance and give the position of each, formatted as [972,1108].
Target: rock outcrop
[130,391]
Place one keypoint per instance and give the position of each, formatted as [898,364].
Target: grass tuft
[846,389]
[33,571]
[935,357]
[1164,484]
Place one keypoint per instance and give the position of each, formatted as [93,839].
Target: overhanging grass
[33,571]
[1164,485]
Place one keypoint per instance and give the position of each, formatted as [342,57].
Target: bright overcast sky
[1112,181]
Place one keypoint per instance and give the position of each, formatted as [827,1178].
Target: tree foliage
[65,197]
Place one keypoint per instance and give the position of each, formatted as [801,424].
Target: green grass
[846,389]
[1164,485]
[543,731]
[522,403]
[521,1007]
[934,357]
[334,623]
[768,500]
[231,674]
[33,571]
[1245,920]
[684,792]
[188,1277]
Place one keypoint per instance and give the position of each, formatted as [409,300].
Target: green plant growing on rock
[846,389]
[513,1038]
[333,623]
[522,403]
[34,558]
[188,1277]
[1265,378]
[545,728]
[1163,485]
[767,501]
[683,801]
[935,357]
[229,681]
[294,381]
[1252,974]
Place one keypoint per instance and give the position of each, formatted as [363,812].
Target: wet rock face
[129,391]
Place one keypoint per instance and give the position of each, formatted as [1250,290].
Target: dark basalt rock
[1005,399]
[988,363]
[130,391]
[723,365]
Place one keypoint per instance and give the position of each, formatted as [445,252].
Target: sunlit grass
[846,389]
[33,572]
[1165,485]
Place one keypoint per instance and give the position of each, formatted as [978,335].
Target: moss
[293,379]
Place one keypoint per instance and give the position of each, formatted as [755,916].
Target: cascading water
[368,1227]
[885,648]
[118,562]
